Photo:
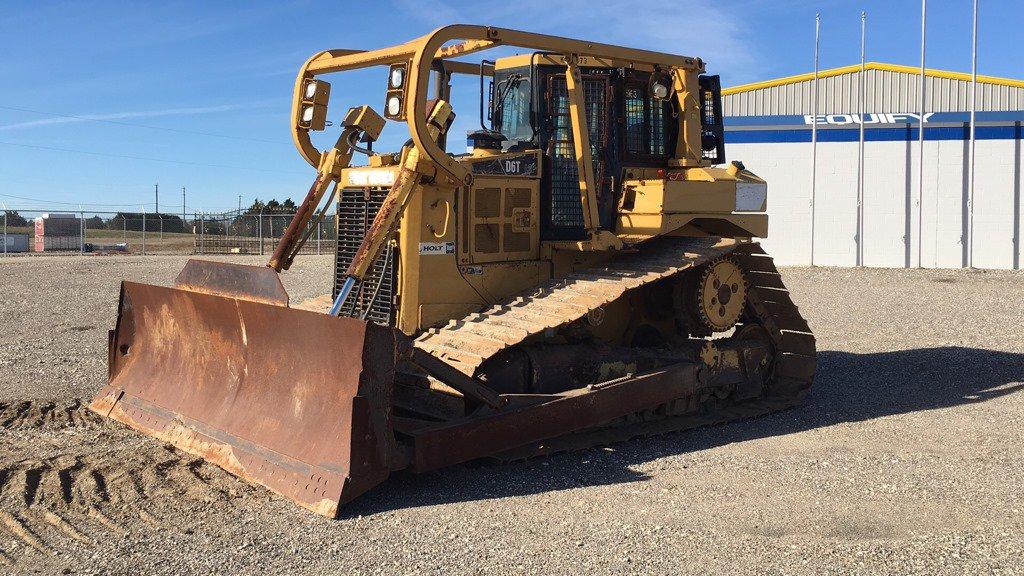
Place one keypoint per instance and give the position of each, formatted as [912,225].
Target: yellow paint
[982,79]
[445,269]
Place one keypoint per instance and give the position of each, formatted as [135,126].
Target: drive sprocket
[720,295]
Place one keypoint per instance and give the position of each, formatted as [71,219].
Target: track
[768,304]
[467,342]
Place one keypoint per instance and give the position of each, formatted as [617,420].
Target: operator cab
[632,118]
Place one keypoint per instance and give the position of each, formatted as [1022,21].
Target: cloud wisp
[58,119]
[692,27]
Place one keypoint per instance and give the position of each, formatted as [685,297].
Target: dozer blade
[294,400]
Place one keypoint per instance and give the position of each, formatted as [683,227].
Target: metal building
[877,216]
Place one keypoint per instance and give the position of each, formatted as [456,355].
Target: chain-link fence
[40,231]
[251,232]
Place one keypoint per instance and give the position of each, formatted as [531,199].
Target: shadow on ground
[848,388]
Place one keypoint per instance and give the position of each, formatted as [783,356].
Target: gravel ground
[904,459]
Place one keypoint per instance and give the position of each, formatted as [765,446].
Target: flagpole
[920,144]
[814,128]
[974,104]
[860,152]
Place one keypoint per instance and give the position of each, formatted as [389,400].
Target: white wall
[789,184]
[889,177]
[891,181]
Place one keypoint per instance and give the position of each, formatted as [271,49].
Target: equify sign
[873,118]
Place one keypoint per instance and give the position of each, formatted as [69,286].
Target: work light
[313,107]
[394,106]
[397,77]
[660,86]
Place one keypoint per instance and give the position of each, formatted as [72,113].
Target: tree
[15,220]
[256,208]
[272,206]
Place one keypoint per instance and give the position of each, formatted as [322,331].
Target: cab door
[562,209]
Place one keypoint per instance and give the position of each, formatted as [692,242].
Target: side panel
[503,220]
[431,287]
[997,198]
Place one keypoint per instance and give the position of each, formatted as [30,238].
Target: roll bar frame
[422,53]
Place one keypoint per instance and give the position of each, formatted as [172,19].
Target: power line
[129,157]
[134,125]
[44,201]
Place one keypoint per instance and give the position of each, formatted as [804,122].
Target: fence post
[5,228]
[318,229]
[143,230]
[161,217]
[202,230]
[81,230]
[124,233]
[259,230]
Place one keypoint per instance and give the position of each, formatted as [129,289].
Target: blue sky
[99,101]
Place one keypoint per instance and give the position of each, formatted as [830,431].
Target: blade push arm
[331,164]
[358,120]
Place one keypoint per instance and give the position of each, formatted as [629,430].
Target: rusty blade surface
[256,283]
[293,400]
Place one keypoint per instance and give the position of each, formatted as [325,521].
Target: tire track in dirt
[102,480]
[47,415]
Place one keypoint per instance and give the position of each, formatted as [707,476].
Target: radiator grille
[356,209]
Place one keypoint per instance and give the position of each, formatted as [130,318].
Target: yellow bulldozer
[584,273]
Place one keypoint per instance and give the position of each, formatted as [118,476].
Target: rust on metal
[444,372]
[293,400]
[558,414]
[294,230]
[255,283]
